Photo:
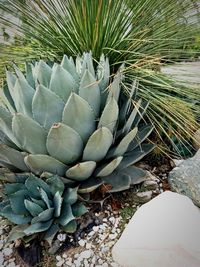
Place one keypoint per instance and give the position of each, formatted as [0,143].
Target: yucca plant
[69,121]
[39,207]
[142,33]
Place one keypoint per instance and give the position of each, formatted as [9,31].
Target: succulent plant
[36,206]
[69,120]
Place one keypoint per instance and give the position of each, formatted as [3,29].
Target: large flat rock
[165,232]
[185,178]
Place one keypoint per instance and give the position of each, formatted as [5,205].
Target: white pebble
[112,236]
[104,249]
[81,243]
[61,237]
[114,264]
[95,228]
[65,256]
[105,264]
[100,261]
[60,263]
[91,233]
[112,220]
[58,258]
[1,259]
[88,246]
[77,263]
[7,251]
[69,262]
[86,254]
[12,264]
[76,256]
[105,219]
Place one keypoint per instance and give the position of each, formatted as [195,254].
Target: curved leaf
[62,83]
[81,171]
[42,73]
[33,184]
[79,116]
[70,227]
[119,182]
[68,64]
[33,208]
[17,202]
[90,185]
[38,227]
[125,142]
[22,97]
[66,215]
[57,201]
[8,213]
[47,107]
[43,216]
[78,209]
[55,184]
[114,90]
[98,145]
[50,234]
[30,135]
[141,136]
[70,196]
[13,157]
[64,143]
[109,168]
[89,90]
[109,115]
[43,163]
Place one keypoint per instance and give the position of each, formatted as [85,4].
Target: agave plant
[67,120]
[36,206]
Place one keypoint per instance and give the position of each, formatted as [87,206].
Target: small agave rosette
[36,206]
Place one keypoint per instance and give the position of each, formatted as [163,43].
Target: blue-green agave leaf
[44,163]
[47,107]
[70,196]
[44,216]
[27,131]
[107,169]
[98,145]
[38,227]
[33,184]
[70,227]
[90,185]
[55,184]
[12,157]
[119,182]
[109,115]
[141,136]
[13,188]
[66,215]
[33,208]
[89,90]
[62,83]
[68,65]
[17,202]
[51,232]
[78,209]
[29,74]
[42,73]
[22,97]
[57,201]
[45,198]
[81,171]
[64,143]
[17,232]
[77,107]
[8,213]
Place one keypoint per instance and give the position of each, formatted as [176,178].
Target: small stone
[11,264]
[1,259]
[61,237]
[114,264]
[100,261]
[112,236]
[86,254]
[104,249]
[105,264]
[105,219]
[58,258]
[85,263]
[65,256]
[95,228]
[102,227]
[150,185]
[76,256]
[7,251]
[112,220]
[77,263]
[143,197]
[81,243]
[88,246]
[60,263]
[91,233]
